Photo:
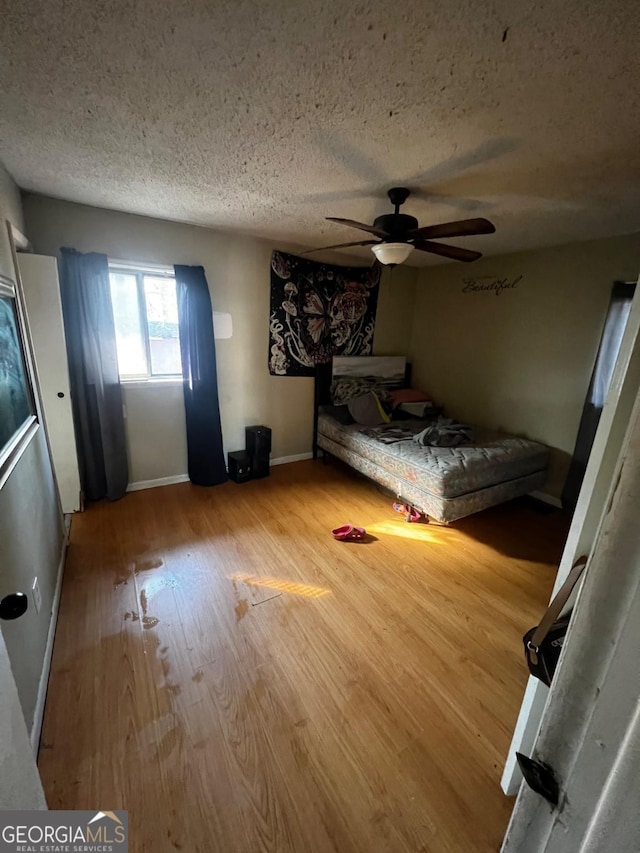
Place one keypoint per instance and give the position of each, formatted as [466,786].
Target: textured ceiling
[265,117]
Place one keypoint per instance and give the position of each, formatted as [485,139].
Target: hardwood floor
[241,682]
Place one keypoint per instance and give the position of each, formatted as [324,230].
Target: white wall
[237,270]
[520,361]
[31,532]
[20,786]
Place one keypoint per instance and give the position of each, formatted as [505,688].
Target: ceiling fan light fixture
[392,253]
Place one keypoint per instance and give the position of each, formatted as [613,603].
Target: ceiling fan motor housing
[396,225]
[399,234]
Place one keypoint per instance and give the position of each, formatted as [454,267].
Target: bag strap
[555,608]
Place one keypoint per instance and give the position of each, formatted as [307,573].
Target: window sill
[151,383]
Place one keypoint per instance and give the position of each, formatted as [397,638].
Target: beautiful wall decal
[318,311]
[489,284]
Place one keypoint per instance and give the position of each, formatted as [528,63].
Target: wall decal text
[490,284]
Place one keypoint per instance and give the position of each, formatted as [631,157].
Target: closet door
[41,289]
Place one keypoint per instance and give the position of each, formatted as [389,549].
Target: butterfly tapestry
[318,311]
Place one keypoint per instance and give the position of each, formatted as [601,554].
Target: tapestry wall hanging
[318,311]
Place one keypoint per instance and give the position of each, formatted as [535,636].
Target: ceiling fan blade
[463,228]
[454,252]
[340,246]
[353,224]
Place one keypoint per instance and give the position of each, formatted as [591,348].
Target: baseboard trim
[184,478]
[161,481]
[284,460]
[547,499]
[38,713]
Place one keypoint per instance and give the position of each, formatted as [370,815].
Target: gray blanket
[445,432]
[389,434]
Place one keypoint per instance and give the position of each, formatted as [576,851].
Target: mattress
[444,472]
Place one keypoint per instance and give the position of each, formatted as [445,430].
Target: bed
[444,483]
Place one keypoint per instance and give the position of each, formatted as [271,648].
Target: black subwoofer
[258,440]
[239,466]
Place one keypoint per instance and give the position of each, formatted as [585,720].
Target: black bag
[543,643]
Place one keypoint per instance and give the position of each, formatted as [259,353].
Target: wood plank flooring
[242,683]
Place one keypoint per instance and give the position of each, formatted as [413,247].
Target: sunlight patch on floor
[282,585]
[419,532]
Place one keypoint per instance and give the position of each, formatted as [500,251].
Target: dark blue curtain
[96,394]
[202,409]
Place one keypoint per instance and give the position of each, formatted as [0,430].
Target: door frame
[591,724]
[589,511]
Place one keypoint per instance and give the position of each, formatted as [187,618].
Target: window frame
[139,271]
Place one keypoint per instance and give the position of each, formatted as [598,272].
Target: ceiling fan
[399,234]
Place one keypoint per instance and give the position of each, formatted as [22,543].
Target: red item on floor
[410,512]
[349,533]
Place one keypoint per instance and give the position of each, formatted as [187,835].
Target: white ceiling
[265,117]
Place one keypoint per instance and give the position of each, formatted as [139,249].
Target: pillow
[343,389]
[367,410]
[408,395]
[420,410]
[339,413]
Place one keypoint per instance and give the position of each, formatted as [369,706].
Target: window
[145,313]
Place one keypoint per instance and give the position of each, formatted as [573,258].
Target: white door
[20,786]
[41,291]
[591,504]
[590,731]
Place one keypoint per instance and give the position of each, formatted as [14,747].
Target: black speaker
[258,440]
[239,465]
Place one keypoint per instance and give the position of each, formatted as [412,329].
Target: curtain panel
[96,393]
[200,381]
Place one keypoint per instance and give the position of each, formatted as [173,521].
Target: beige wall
[237,269]
[11,210]
[396,307]
[156,431]
[520,361]
[30,524]
[21,787]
